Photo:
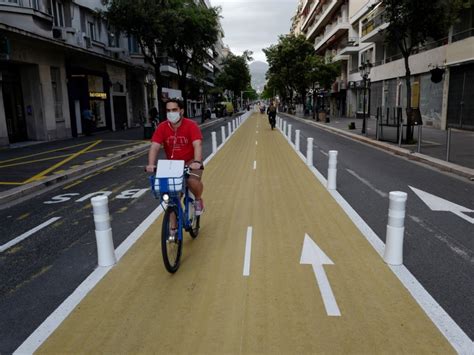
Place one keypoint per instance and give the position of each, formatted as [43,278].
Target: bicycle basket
[169,177]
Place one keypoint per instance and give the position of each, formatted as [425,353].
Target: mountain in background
[258,71]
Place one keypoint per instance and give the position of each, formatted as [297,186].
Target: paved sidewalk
[29,167]
[433,147]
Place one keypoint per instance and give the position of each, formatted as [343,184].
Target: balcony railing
[463,35]
[373,21]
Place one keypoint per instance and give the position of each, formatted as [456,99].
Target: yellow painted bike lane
[256,180]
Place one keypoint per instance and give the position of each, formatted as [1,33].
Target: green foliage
[320,73]
[235,74]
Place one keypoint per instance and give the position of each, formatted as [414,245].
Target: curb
[21,193]
[422,158]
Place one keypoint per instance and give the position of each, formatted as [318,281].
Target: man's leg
[196,187]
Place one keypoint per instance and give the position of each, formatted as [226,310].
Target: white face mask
[173,117]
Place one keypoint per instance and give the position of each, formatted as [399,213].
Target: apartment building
[59,57]
[352,32]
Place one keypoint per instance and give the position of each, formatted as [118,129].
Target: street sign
[436,203]
[313,255]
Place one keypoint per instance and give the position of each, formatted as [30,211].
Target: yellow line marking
[122,210]
[108,169]
[23,216]
[59,171]
[45,152]
[57,165]
[11,183]
[72,185]
[34,161]
[90,176]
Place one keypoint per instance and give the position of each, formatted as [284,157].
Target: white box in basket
[173,170]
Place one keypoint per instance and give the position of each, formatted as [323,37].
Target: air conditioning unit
[59,33]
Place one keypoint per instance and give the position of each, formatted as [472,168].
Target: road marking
[248,251]
[367,183]
[447,326]
[11,183]
[313,255]
[27,234]
[324,153]
[256,131]
[254,165]
[436,203]
[57,165]
[73,184]
[23,216]
[256,142]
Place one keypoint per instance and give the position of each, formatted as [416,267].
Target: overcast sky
[255,24]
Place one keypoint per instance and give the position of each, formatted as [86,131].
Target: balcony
[331,33]
[310,14]
[323,17]
[373,26]
[26,18]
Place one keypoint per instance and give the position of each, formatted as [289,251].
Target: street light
[364,71]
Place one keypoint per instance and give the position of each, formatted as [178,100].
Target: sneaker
[198,207]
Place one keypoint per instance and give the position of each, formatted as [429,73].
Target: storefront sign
[98,95]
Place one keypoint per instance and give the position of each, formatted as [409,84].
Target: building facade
[352,33]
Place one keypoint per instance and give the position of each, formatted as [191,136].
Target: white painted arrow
[436,203]
[312,254]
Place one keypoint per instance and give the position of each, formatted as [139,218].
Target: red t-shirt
[178,144]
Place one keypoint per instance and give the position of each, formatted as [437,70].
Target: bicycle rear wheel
[195,220]
[171,246]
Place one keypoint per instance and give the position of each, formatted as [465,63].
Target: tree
[410,24]
[145,21]
[286,61]
[235,74]
[191,32]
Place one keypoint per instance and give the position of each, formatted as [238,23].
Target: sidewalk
[28,167]
[433,147]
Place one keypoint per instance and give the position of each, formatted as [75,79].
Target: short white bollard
[214,142]
[230,129]
[103,231]
[297,139]
[309,152]
[332,170]
[284,128]
[223,134]
[233,125]
[393,253]
[289,132]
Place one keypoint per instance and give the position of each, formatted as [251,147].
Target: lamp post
[364,71]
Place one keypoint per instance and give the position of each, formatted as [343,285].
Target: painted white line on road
[446,325]
[256,131]
[256,142]
[367,183]
[323,152]
[248,251]
[27,234]
[254,165]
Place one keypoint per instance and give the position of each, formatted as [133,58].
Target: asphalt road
[42,270]
[438,246]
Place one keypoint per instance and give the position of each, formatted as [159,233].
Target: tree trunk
[159,93]
[314,103]
[409,136]
[184,92]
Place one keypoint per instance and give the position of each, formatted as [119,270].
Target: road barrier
[289,132]
[103,231]
[393,253]
[309,152]
[284,128]
[297,139]
[223,134]
[332,170]
[229,128]
[214,142]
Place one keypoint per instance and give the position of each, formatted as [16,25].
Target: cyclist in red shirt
[182,140]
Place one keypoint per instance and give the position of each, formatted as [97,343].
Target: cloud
[255,24]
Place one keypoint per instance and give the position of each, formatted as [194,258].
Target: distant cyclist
[272,111]
[182,140]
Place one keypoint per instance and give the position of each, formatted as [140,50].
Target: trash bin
[147,131]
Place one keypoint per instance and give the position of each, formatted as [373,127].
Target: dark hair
[176,101]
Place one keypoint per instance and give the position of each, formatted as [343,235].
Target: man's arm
[197,145]
[152,157]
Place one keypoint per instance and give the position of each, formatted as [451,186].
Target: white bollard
[284,128]
[103,231]
[214,142]
[332,170]
[289,132]
[223,134]
[233,125]
[309,152]
[297,139]
[230,129]
[393,253]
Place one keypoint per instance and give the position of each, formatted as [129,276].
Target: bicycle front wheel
[171,246]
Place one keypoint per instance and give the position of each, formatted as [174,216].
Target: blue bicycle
[173,193]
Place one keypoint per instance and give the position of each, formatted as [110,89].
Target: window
[14,2]
[34,4]
[91,27]
[57,8]
[133,45]
[57,93]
